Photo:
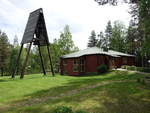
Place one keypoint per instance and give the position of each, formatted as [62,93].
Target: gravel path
[120,69]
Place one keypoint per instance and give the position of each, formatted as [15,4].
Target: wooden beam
[25,62]
[17,62]
[42,64]
[50,60]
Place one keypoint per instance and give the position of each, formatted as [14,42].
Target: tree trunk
[142,62]
[146,60]
[2,71]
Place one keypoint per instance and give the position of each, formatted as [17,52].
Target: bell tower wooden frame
[36,34]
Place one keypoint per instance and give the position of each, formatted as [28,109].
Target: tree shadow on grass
[113,101]
[76,84]
[26,77]
[1,80]
[58,94]
[6,79]
[128,100]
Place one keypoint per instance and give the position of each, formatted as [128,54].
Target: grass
[113,92]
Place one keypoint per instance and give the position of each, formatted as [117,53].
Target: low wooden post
[50,60]
[17,62]
[42,64]
[25,62]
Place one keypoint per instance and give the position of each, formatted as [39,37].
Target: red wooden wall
[92,62]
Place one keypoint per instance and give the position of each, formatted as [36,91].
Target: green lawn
[114,92]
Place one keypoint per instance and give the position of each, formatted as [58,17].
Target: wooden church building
[87,61]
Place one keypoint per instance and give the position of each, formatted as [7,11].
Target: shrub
[138,80]
[146,69]
[143,82]
[132,68]
[124,66]
[143,69]
[139,69]
[63,109]
[80,111]
[102,69]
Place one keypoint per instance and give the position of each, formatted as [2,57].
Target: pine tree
[118,39]
[132,39]
[100,40]
[12,58]
[108,36]
[144,26]
[92,40]
[16,43]
[4,52]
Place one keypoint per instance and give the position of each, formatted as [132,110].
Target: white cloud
[82,16]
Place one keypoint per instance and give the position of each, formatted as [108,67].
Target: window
[75,62]
[124,60]
[75,65]
[82,68]
[65,61]
[75,68]
[82,61]
[113,61]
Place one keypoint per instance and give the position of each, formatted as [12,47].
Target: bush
[143,69]
[132,68]
[124,66]
[138,80]
[146,70]
[139,69]
[63,109]
[80,111]
[102,69]
[143,82]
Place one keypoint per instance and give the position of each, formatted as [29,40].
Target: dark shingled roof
[95,50]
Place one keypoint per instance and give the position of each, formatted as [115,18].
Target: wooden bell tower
[36,34]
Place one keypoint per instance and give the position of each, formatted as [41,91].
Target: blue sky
[82,16]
